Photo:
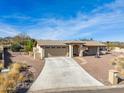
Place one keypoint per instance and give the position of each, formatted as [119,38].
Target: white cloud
[60,29]
[103,22]
[82,25]
[7,30]
[16,16]
[116,6]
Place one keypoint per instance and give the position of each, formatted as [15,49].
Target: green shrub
[16,47]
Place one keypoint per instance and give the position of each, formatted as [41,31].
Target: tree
[16,47]
[30,44]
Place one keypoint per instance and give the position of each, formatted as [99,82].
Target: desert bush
[2,79]
[24,66]
[1,66]
[13,75]
[16,66]
[11,80]
[21,78]
[2,91]
[6,85]
[118,63]
[9,85]
[19,66]
[16,47]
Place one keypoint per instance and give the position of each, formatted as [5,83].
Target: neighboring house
[51,48]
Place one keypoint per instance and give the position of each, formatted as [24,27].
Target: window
[53,47]
[63,47]
[47,47]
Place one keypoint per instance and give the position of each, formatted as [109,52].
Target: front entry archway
[75,50]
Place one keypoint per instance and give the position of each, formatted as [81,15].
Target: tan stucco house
[53,48]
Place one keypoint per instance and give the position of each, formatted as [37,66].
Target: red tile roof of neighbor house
[65,42]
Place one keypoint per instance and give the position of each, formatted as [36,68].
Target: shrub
[9,86]
[13,75]
[1,66]
[16,47]
[2,91]
[9,81]
[16,66]
[21,78]
[2,79]
[118,63]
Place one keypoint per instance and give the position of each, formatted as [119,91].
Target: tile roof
[65,42]
[93,43]
[51,42]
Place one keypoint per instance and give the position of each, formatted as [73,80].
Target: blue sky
[101,20]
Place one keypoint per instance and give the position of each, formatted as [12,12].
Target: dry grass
[118,63]
[16,66]
[9,81]
[1,65]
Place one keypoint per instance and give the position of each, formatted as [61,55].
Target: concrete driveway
[63,72]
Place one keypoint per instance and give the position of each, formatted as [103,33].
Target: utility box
[113,79]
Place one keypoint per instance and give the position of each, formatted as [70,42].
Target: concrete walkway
[63,72]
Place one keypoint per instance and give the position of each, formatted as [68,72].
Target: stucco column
[34,55]
[98,52]
[42,53]
[113,79]
[81,51]
[34,52]
[70,50]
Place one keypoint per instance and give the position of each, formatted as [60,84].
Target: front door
[76,50]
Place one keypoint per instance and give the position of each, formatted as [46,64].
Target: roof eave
[95,45]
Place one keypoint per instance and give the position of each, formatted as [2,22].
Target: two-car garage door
[56,51]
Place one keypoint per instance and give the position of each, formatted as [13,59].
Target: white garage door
[56,51]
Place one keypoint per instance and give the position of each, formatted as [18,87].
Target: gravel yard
[36,65]
[97,67]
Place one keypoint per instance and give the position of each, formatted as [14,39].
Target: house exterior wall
[70,51]
[81,49]
[38,52]
[49,51]
[92,50]
[63,50]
